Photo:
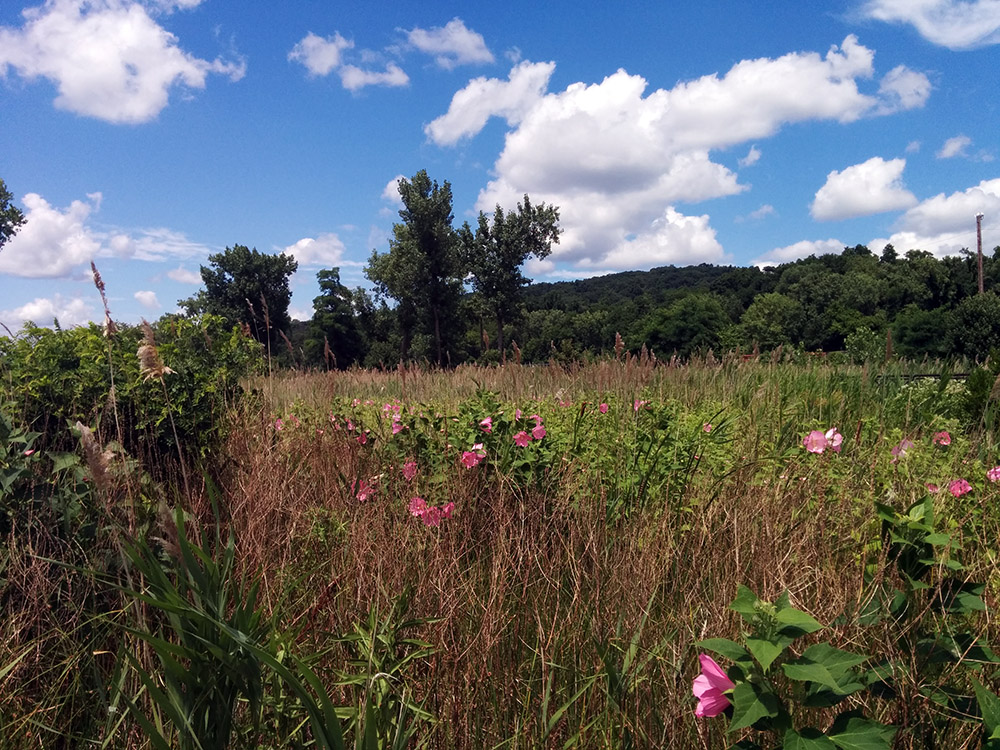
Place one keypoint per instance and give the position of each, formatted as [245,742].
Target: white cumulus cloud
[617,159]
[802,249]
[43,311]
[672,238]
[52,242]
[954,147]
[319,55]
[944,224]
[324,250]
[483,98]
[872,187]
[147,299]
[902,89]
[752,157]
[184,276]
[354,78]
[955,24]
[451,45]
[107,58]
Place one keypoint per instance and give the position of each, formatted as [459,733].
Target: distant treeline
[851,301]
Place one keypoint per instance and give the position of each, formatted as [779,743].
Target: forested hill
[615,288]
[848,301]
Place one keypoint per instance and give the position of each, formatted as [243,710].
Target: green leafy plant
[213,647]
[771,684]
[934,614]
[381,653]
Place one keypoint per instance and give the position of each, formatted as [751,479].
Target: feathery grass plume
[96,458]
[517,351]
[166,525]
[619,346]
[110,329]
[150,364]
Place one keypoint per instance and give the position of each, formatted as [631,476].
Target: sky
[146,135]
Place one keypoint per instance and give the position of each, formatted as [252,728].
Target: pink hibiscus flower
[706,427]
[993,474]
[538,432]
[834,439]
[522,438]
[603,408]
[471,458]
[942,438]
[815,442]
[900,450]
[959,487]
[710,688]
[431,516]
[362,490]
[487,424]
[409,470]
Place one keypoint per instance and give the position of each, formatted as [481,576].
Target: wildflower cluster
[818,441]
[431,515]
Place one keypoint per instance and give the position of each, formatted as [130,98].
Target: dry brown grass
[525,585]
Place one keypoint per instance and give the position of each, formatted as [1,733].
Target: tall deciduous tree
[334,327]
[496,251]
[11,217]
[240,283]
[422,271]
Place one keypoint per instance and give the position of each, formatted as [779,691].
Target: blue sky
[147,134]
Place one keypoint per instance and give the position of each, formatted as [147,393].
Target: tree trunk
[500,344]
[437,338]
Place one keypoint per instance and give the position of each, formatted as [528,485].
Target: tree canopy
[423,270]
[249,287]
[496,251]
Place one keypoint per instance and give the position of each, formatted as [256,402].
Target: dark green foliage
[773,320]
[975,325]
[692,324]
[423,269]
[55,377]
[215,648]
[335,332]
[917,332]
[495,253]
[11,217]
[249,287]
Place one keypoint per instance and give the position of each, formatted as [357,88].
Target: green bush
[57,376]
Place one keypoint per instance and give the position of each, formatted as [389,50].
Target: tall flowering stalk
[151,366]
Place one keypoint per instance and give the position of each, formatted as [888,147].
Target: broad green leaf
[989,709]
[827,666]
[730,649]
[796,622]
[745,603]
[765,651]
[750,704]
[807,739]
[857,733]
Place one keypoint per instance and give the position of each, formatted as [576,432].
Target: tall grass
[538,615]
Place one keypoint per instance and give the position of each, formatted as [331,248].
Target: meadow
[504,557]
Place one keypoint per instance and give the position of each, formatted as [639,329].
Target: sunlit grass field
[579,532]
